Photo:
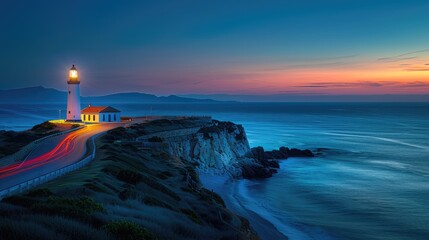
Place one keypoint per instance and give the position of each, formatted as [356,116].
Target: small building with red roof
[100,114]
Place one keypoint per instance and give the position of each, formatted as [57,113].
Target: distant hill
[135,97]
[32,95]
[313,97]
[49,95]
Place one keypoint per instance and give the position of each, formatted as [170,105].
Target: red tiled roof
[99,109]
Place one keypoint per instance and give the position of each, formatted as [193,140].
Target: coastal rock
[262,157]
[258,153]
[283,153]
[294,152]
[222,147]
[218,146]
[275,154]
[256,171]
[273,164]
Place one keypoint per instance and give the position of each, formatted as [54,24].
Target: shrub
[45,126]
[129,176]
[19,200]
[151,201]
[218,199]
[40,192]
[193,174]
[160,187]
[22,229]
[187,189]
[95,187]
[127,194]
[73,207]
[128,230]
[191,215]
[43,227]
[155,139]
[208,196]
[164,175]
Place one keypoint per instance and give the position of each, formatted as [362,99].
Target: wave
[399,142]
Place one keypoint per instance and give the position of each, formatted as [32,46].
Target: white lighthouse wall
[73,103]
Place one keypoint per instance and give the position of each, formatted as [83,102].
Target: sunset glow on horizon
[285,47]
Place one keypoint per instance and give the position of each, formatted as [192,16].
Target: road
[52,154]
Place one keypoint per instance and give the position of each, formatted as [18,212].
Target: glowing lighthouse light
[73,73]
[73,96]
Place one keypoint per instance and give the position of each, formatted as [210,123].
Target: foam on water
[290,228]
[379,138]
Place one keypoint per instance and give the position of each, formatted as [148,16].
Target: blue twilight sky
[213,47]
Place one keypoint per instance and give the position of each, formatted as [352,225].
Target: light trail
[62,149]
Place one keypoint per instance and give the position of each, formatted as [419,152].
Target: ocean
[371,182]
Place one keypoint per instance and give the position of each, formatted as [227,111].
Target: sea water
[370,182]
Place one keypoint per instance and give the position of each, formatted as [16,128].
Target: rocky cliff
[212,146]
[218,146]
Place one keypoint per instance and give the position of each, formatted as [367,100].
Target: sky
[317,47]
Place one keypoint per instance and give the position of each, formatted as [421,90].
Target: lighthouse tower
[73,96]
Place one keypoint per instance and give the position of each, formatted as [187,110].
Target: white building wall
[99,117]
[73,103]
[112,117]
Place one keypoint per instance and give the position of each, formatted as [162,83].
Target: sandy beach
[228,189]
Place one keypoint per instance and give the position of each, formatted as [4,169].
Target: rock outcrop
[284,153]
[218,146]
[267,161]
[221,147]
[261,157]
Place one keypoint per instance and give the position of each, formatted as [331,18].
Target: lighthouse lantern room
[73,96]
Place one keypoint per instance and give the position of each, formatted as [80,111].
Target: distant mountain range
[313,97]
[49,95]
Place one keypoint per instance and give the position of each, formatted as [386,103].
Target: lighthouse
[73,96]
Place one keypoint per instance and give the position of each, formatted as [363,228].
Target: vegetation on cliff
[127,192]
[12,141]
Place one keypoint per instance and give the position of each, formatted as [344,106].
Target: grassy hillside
[11,141]
[125,193]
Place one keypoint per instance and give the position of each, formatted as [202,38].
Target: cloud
[364,84]
[305,65]
[312,63]
[313,86]
[347,84]
[414,52]
[416,84]
[417,69]
[402,56]
[395,59]
[300,92]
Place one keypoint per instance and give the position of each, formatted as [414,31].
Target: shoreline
[228,189]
